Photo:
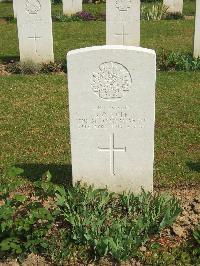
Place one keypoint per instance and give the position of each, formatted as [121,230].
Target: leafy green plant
[79,16]
[32,68]
[154,12]
[55,2]
[176,61]
[65,18]
[79,221]
[182,256]
[196,235]
[174,16]
[24,222]
[27,67]
[115,225]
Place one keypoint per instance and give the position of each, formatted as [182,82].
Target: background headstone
[123,22]
[111,102]
[15,8]
[71,7]
[174,6]
[197,31]
[35,30]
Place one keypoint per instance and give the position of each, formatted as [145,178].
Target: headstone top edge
[111,47]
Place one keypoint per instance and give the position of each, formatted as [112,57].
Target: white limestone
[174,6]
[35,30]
[111,103]
[71,7]
[197,31]
[123,22]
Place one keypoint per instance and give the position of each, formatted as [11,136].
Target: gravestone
[174,6]
[197,31]
[15,8]
[35,30]
[123,22]
[71,7]
[111,103]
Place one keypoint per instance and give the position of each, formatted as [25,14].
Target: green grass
[34,128]
[189,8]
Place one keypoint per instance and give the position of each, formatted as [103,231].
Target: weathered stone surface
[123,22]
[71,7]
[111,102]
[174,6]
[35,30]
[197,31]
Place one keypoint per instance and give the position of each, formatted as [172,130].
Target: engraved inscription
[122,34]
[35,38]
[33,6]
[112,149]
[123,5]
[110,117]
[111,82]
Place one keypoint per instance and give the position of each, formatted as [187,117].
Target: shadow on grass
[9,59]
[61,174]
[194,166]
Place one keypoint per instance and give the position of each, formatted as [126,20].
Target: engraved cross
[123,34]
[35,38]
[112,149]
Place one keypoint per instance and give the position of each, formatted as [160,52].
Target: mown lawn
[34,128]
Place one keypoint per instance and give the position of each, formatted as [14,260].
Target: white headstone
[71,7]
[174,6]
[197,31]
[35,30]
[15,8]
[123,22]
[111,102]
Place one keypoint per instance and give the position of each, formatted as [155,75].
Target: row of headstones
[73,6]
[111,97]
[122,27]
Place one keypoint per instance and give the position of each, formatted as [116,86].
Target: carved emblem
[123,5]
[33,6]
[111,82]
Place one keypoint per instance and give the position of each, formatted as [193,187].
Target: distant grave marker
[197,31]
[174,6]
[35,30]
[111,102]
[123,22]
[71,7]
[15,8]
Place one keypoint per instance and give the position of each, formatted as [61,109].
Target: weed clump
[58,222]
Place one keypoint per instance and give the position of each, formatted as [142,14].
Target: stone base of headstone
[112,116]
